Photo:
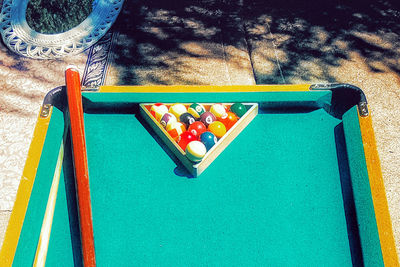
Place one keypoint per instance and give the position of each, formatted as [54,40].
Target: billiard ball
[217,128]
[218,110]
[187,119]
[207,118]
[177,110]
[175,129]
[239,109]
[197,128]
[229,120]
[196,110]
[167,118]
[185,138]
[158,110]
[195,151]
[208,139]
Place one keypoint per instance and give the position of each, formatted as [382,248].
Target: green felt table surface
[275,196]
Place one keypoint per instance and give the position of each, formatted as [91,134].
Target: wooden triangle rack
[195,169]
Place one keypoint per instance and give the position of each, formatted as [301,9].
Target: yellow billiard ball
[177,110]
[217,128]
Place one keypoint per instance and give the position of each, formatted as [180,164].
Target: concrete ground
[227,42]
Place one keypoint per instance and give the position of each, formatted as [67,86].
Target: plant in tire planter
[56,16]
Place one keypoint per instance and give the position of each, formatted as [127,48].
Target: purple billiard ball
[207,118]
[167,118]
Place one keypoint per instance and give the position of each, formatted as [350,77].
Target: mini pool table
[300,185]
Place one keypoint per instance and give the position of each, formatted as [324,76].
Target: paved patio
[220,42]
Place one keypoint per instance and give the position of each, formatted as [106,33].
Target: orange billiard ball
[229,120]
[175,129]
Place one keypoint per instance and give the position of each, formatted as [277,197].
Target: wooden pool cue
[72,81]
[43,243]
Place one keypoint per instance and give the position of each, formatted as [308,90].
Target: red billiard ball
[229,120]
[197,128]
[185,138]
[207,118]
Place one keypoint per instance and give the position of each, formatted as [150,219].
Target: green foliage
[55,16]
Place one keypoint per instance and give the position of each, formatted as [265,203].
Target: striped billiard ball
[177,110]
[195,151]
[196,110]
[175,129]
[218,110]
[158,110]
[167,118]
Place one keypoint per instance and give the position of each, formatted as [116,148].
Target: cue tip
[72,67]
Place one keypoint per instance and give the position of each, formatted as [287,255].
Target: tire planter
[23,40]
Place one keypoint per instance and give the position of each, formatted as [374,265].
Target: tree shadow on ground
[161,39]
[166,42]
[326,33]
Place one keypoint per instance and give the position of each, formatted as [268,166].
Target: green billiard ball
[196,110]
[239,109]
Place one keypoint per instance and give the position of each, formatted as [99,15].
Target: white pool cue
[44,238]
